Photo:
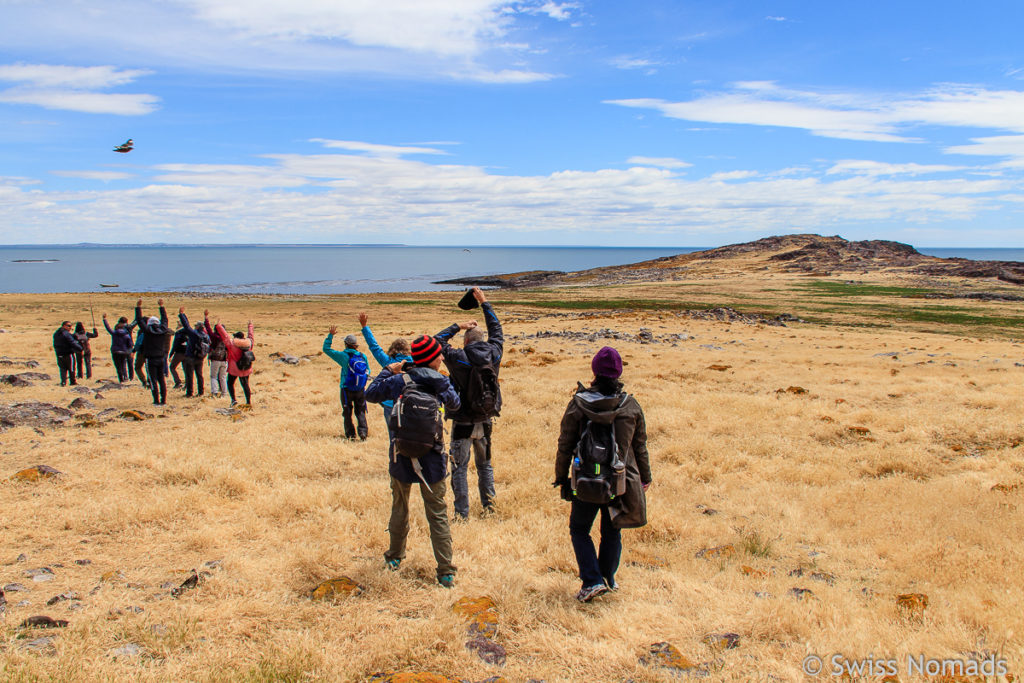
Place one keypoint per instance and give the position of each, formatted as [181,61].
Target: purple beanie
[607,363]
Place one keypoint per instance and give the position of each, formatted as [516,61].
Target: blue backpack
[358,372]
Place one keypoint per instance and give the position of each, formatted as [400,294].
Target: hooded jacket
[235,348]
[157,336]
[389,386]
[629,510]
[120,337]
[218,352]
[64,343]
[461,361]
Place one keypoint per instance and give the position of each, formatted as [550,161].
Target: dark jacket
[83,339]
[180,343]
[120,337]
[389,386]
[629,510]
[460,361]
[156,336]
[64,343]
[217,349]
[196,337]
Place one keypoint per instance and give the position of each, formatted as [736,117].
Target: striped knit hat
[425,349]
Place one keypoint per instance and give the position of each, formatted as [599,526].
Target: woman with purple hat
[602,468]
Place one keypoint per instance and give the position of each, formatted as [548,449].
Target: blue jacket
[120,337]
[341,357]
[389,386]
[195,338]
[383,358]
[460,361]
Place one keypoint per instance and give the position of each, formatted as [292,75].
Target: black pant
[67,369]
[596,566]
[157,381]
[176,360]
[121,365]
[244,381]
[354,400]
[83,359]
[193,375]
[140,368]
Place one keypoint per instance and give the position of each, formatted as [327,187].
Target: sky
[538,122]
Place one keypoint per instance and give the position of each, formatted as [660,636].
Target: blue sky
[648,123]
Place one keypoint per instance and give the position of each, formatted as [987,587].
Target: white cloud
[771,18]
[627,63]
[663,162]
[1011,146]
[73,88]
[375,197]
[878,168]
[105,176]
[851,116]
[376,149]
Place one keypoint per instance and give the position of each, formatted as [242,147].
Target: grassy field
[860,463]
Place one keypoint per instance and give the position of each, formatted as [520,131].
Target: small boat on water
[103,285]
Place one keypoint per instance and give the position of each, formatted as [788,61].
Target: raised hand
[139,303]
[478,294]
[395,368]
[333,330]
[362,319]
[104,316]
[159,302]
[206,313]
[181,309]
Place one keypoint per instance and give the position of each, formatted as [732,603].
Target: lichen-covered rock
[481,613]
[33,414]
[666,656]
[718,552]
[410,677]
[721,641]
[132,415]
[747,570]
[487,650]
[36,473]
[43,621]
[719,368]
[81,403]
[801,593]
[40,646]
[333,589]
[912,604]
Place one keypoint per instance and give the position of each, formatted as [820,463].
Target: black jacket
[460,361]
[196,336]
[64,343]
[155,337]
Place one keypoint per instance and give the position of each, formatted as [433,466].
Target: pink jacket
[235,348]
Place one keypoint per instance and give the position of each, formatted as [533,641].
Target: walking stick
[92,314]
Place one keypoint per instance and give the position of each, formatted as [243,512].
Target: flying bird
[126,147]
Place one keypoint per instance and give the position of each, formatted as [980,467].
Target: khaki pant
[437,520]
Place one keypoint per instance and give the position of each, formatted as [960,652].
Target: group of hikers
[157,352]
[602,465]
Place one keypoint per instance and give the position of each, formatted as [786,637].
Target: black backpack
[482,395]
[246,360]
[416,421]
[598,474]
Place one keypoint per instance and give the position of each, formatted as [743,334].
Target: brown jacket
[629,510]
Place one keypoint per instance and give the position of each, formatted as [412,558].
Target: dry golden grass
[904,505]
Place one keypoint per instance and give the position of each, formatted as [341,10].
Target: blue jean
[596,566]
[475,437]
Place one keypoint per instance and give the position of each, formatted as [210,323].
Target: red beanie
[425,349]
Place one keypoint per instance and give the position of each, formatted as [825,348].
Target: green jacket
[341,357]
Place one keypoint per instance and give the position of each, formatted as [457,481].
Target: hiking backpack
[245,361]
[204,349]
[416,421]
[598,474]
[482,396]
[358,372]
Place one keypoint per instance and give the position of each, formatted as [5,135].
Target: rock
[801,593]
[332,589]
[719,368]
[912,604]
[858,431]
[10,362]
[482,615]
[34,574]
[487,650]
[721,641]
[43,621]
[36,473]
[33,414]
[830,579]
[188,584]
[83,563]
[756,573]
[127,650]
[109,386]
[40,646]
[132,415]
[666,656]
[792,390]
[158,630]
[68,595]
[81,403]
[15,588]
[3,603]
[22,558]
[15,381]
[1006,488]
[718,552]
[82,390]
[403,677]
[705,510]
[112,575]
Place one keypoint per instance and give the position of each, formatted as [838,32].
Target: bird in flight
[125,147]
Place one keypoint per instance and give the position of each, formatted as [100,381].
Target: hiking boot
[612,585]
[233,404]
[459,518]
[446,581]
[488,511]
[588,593]
[393,565]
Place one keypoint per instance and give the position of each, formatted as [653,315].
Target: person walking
[83,358]
[121,346]
[218,359]
[239,363]
[65,346]
[398,352]
[354,373]
[474,373]
[155,334]
[178,355]
[419,378]
[602,467]
[196,348]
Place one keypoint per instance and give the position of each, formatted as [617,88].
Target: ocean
[313,269]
